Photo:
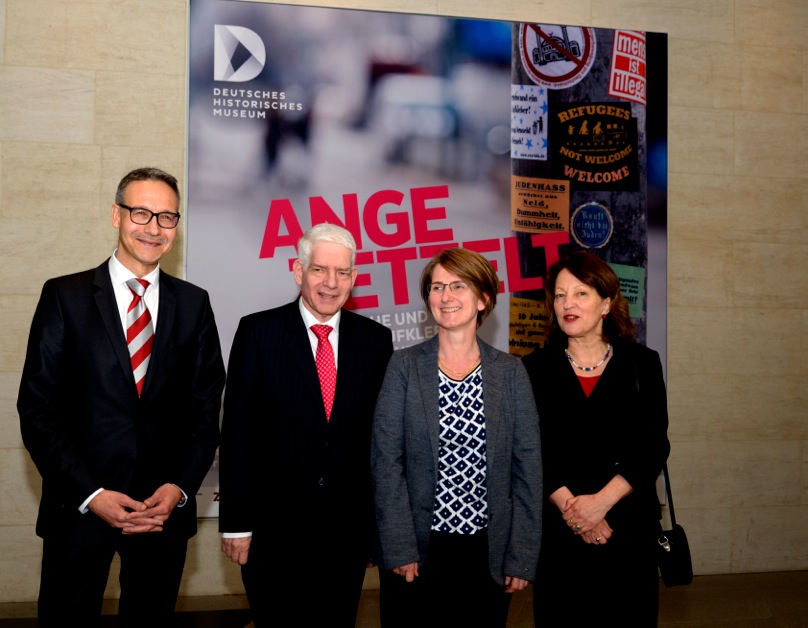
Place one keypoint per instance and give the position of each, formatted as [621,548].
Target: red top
[588,383]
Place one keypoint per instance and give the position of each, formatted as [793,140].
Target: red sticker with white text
[627,77]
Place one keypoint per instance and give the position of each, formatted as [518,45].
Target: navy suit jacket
[284,469]
[82,420]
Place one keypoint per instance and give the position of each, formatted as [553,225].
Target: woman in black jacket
[602,402]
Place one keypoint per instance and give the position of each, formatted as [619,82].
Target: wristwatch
[183,497]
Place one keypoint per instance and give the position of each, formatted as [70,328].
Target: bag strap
[664,464]
[670,495]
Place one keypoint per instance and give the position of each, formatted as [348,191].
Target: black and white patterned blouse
[461,504]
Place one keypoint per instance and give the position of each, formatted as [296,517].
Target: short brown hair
[472,268]
[594,272]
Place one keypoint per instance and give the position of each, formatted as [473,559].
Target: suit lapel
[492,400]
[427,367]
[301,353]
[163,335]
[349,344]
[108,310]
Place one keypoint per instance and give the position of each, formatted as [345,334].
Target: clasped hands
[586,517]
[132,516]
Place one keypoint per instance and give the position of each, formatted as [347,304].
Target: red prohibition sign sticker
[556,56]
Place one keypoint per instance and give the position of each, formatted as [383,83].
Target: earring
[603,315]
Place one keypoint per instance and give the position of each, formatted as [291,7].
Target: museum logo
[239,54]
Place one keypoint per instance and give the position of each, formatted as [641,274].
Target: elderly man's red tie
[326,367]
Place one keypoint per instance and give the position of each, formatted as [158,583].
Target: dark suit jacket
[284,470]
[404,459]
[82,420]
[621,428]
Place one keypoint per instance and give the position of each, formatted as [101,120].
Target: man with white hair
[295,490]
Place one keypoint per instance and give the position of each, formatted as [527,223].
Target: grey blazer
[404,459]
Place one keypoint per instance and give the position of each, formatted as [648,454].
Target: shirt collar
[120,274]
[309,319]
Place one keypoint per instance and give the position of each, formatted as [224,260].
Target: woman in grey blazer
[456,463]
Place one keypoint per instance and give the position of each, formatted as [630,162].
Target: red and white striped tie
[139,331]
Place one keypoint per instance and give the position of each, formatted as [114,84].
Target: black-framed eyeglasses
[455,287]
[143,216]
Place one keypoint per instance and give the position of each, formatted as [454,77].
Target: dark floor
[778,599]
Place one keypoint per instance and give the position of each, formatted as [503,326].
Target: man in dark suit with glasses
[119,408]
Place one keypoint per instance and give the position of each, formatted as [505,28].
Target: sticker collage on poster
[579,161]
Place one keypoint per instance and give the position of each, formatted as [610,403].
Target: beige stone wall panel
[705,75]
[703,272]
[709,536]
[53,251]
[15,311]
[689,19]
[804,474]
[50,182]
[702,206]
[767,539]
[140,110]
[20,492]
[772,87]
[781,459]
[782,23]
[769,407]
[140,36]
[46,105]
[771,145]
[702,475]
[763,210]
[771,274]
[708,345]
[764,334]
[9,419]
[20,563]
[2,31]
[701,141]
[702,414]
[576,12]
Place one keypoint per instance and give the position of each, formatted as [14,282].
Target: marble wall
[90,89]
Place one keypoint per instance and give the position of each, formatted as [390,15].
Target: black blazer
[621,428]
[82,420]
[282,466]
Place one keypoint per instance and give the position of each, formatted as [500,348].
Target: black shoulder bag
[673,550]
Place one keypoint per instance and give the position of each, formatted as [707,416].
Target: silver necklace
[589,368]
